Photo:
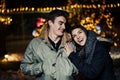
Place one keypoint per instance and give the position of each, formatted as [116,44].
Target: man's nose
[64,26]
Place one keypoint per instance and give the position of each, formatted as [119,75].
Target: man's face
[58,26]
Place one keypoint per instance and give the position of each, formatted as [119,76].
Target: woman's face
[79,36]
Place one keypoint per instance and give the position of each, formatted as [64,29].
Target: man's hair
[56,13]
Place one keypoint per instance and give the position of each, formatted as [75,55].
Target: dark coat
[97,64]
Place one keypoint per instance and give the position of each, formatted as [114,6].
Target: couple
[49,57]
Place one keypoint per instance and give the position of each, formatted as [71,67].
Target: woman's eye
[79,32]
[73,36]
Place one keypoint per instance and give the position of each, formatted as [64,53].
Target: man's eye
[61,23]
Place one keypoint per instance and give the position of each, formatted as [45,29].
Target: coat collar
[90,46]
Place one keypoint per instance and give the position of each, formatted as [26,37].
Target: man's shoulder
[36,40]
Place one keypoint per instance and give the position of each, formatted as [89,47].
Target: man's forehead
[60,19]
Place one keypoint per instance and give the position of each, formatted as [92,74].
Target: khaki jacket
[41,60]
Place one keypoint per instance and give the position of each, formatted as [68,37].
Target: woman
[89,55]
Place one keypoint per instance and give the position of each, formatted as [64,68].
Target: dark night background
[53,3]
[46,3]
[32,17]
[34,3]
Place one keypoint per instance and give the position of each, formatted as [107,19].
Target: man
[45,57]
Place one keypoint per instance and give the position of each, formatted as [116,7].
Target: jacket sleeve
[93,69]
[29,64]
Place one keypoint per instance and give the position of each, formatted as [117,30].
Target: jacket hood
[90,45]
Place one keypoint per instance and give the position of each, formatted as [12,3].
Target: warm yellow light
[2,19]
[115,44]
[94,6]
[110,26]
[99,5]
[12,57]
[118,4]
[32,8]
[111,5]
[26,8]
[6,56]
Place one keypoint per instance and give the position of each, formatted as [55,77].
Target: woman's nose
[78,36]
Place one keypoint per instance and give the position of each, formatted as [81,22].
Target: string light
[89,22]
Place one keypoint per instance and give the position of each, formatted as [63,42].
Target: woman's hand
[68,49]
